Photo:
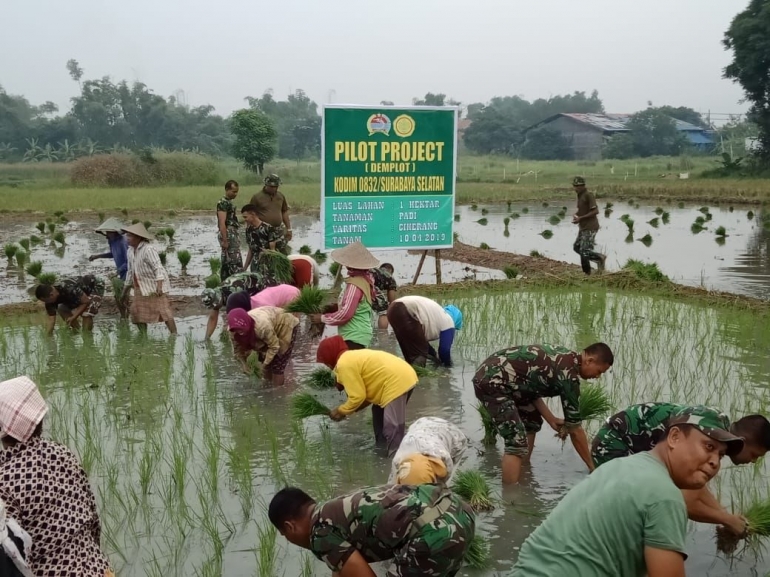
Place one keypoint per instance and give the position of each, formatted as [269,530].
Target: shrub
[151,169]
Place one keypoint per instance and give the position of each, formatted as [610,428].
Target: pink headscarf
[239,320]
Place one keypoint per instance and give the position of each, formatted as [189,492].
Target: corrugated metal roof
[699,137]
[604,122]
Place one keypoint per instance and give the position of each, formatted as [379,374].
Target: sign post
[388,177]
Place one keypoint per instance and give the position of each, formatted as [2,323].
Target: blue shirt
[119,252]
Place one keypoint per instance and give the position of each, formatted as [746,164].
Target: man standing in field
[640,427]
[272,209]
[629,516]
[512,383]
[227,224]
[587,220]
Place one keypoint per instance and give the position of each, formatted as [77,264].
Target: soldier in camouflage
[227,223]
[640,427]
[426,529]
[248,282]
[72,298]
[512,383]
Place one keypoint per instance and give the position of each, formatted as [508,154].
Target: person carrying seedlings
[271,207]
[629,516]
[373,378]
[46,490]
[587,220]
[425,529]
[640,427]
[417,321]
[72,298]
[227,226]
[257,237]
[268,331]
[248,283]
[118,252]
[148,278]
[385,288]
[428,453]
[304,270]
[353,317]
[511,385]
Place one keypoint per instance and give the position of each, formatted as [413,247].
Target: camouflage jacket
[250,282]
[259,238]
[72,290]
[231,219]
[534,371]
[383,282]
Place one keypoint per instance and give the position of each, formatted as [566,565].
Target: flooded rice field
[184,451]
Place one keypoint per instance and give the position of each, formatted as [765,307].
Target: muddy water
[140,411]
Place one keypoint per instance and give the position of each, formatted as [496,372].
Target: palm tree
[34,152]
[66,151]
[49,153]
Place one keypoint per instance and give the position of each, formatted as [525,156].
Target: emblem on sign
[378,123]
[404,125]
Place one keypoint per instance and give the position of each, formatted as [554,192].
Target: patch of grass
[310,301]
[511,271]
[478,554]
[645,271]
[305,405]
[184,258]
[320,378]
[34,268]
[474,489]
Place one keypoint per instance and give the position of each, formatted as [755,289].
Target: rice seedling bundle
[524,210]
[252,362]
[63,219]
[659,210]
[721,231]
[40,226]
[625,217]
[703,209]
[34,268]
[334,268]
[319,257]
[47,278]
[59,237]
[117,286]
[545,204]
[477,555]
[213,281]
[696,228]
[135,221]
[304,405]
[490,433]
[474,207]
[321,378]
[305,249]
[554,220]
[10,250]
[665,217]
[101,217]
[474,489]
[58,213]
[21,258]
[700,220]
[184,258]
[609,206]
[594,402]
[276,263]
[484,246]
[51,227]
[515,215]
[124,211]
[511,271]
[535,254]
[34,239]
[629,224]
[506,221]
[215,264]
[482,221]
[310,301]
[484,211]
[758,526]
[147,224]
[547,233]
[24,244]
[424,372]
[170,232]
[731,209]
[646,240]
[654,222]
[457,218]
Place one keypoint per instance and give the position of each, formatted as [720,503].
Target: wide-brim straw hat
[137,229]
[109,225]
[355,255]
[22,407]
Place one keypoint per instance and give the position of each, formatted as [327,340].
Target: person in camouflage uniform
[258,236]
[227,222]
[72,298]
[512,383]
[385,288]
[425,529]
[587,220]
[640,427]
[247,282]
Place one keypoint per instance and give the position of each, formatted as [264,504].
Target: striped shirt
[145,270]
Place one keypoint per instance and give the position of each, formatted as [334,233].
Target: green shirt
[601,527]
[359,328]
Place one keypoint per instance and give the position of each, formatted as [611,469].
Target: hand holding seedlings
[335,415]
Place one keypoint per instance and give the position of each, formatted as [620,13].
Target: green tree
[749,39]
[546,143]
[74,69]
[620,146]
[685,114]
[654,133]
[296,120]
[255,138]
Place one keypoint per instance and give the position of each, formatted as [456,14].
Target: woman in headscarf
[149,279]
[417,321]
[46,490]
[268,331]
[375,378]
[353,317]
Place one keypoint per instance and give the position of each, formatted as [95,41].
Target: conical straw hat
[110,225]
[138,229]
[355,255]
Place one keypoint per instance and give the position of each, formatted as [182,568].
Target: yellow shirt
[372,376]
[274,328]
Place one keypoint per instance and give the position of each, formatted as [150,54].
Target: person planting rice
[72,298]
[257,237]
[629,516]
[118,244]
[277,296]
[417,321]
[268,331]
[428,453]
[373,378]
[385,288]
[45,489]
[353,316]
[149,279]
[640,427]
[304,270]
[248,283]
[227,228]
[426,529]
[512,383]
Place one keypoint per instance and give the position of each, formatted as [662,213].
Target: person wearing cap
[304,270]
[72,298]
[512,383]
[353,317]
[587,220]
[45,489]
[258,237]
[270,332]
[227,226]
[149,279]
[640,427]
[111,228]
[629,517]
[428,453]
[374,378]
[273,209]
[417,321]
[385,288]
[214,299]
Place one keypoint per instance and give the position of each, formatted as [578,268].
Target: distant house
[587,132]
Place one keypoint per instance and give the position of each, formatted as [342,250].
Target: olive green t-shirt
[601,527]
[586,202]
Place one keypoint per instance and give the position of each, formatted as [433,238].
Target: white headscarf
[8,525]
[433,437]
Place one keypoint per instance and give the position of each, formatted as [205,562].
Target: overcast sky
[364,51]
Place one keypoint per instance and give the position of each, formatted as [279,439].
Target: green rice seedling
[135,221]
[147,224]
[665,217]
[184,258]
[700,220]
[47,278]
[34,268]
[474,206]
[320,378]
[547,233]
[511,271]
[10,250]
[709,216]
[117,286]
[645,271]
[51,227]
[213,281]
[21,258]
[624,217]
[720,240]
[58,213]
[654,222]
[508,204]
[474,489]
[482,221]
[41,227]
[425,372]
[630,225]
[750,214]
[515,215]
[334,268]
[506,232]
[162,256]
[646,240]
[758,526]
[607,212]
[34,239]
[490,432]
[524,210]
[101,216]
[255,367]
[659,211]
[629,238]
[535,254]
[63,219]
[484,246]
[704,209]
[215,264]
[169,232]
[721,231]
[457,217]
[310,301]
[276,262]
[24,244]
[680,204]
[731,209]
[608,206]
[594,402]
[477,555]
[59,251]
[304,405]
[305,249]
[484,211]
[506,221]
[545,204]
[59,237]
[124,211]
[319,257]
[553,220]
[696,228]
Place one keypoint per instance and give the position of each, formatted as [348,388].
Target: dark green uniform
[509,381]
[425,529]
[71,291]
[250,282]
[232,261]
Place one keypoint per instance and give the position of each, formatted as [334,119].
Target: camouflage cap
[272,180]
[711,423]
[212,298]
[578,181]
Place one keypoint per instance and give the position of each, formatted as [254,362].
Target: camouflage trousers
[232,260]
[584,246]
[513,414]
[277,234]
[94,289]
[437,548]
[607,445]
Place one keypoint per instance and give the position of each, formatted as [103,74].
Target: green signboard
[388,176]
